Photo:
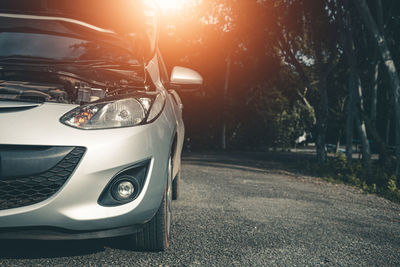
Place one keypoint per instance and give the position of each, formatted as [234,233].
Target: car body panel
[75,206]
[106,155]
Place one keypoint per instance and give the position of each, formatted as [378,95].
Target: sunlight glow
[171,5]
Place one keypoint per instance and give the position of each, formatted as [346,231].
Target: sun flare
[170,5]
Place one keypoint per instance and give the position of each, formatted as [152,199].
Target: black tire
[155,235]
[175,186]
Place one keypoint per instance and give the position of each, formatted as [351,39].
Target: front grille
[24,191]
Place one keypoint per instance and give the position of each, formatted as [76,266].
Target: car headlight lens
[116,113]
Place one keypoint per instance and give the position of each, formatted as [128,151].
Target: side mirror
[185,79]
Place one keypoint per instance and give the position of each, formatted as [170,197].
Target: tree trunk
[344,21]
[348,44]
[374,97]
[388,62]
[388,122]
[362,131]
[322,119]
[225,100]
[323,105]
[338,142]
[365,149]
[303,97]
[356,102]
[371,122]
[350,122]
[387,133]
[375,64]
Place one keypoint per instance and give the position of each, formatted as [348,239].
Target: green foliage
[277,121]
[285,46]
[379,181]
[392,187]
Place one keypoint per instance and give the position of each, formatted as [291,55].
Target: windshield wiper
[26,58]
[104,62]
[88,62]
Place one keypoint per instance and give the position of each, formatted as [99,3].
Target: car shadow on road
[226,164]
[253,162]
[35,249]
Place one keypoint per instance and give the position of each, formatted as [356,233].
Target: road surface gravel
[235,211]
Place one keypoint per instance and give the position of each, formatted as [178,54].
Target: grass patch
[380,180]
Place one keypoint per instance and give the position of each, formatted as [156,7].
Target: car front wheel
[155,235]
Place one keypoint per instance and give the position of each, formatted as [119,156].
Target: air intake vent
[24,191]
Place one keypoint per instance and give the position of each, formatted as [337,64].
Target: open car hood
[135,21]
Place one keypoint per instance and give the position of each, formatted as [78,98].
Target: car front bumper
[74,208]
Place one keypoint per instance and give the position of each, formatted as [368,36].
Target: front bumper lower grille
[24,191]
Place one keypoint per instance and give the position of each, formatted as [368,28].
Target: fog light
[125,189]
[125,186]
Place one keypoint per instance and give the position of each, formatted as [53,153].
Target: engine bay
[56,88]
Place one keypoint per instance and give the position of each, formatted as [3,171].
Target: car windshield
[31,46]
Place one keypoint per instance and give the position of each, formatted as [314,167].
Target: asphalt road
[237,212]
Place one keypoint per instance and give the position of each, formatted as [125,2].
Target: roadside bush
[379,181]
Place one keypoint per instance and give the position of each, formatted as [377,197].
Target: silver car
[90,131]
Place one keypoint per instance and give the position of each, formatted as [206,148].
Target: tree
[300,30]
[388,61]
[356,100]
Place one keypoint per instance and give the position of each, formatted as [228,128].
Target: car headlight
[115,113]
